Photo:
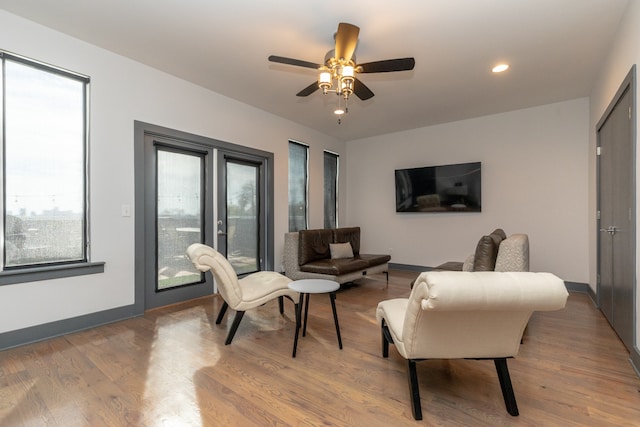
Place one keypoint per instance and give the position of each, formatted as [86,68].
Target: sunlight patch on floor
[170,394]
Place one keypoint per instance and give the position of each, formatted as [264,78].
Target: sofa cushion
[348,234]
[487,251]
[314,245]
[334,267]
[372,259]
[340,250]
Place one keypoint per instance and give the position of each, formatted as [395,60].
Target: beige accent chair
[466,315]
[242,294]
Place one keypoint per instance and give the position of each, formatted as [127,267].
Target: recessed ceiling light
[500,68]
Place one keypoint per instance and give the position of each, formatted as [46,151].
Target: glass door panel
[242,216]
[179,216]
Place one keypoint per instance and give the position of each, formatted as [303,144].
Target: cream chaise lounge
[251,291]
[466,315]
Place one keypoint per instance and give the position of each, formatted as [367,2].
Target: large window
[298,185]
[44,168]
[330,190]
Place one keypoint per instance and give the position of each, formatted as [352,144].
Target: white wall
[123,91]
[534,181]
[623,54]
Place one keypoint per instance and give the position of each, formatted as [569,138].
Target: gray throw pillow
[341,250]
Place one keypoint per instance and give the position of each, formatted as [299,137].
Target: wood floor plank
[171,367]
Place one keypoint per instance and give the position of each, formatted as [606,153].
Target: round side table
[313,286]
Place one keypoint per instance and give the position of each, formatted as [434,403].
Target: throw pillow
[341,250]
[500,232]
[486,253]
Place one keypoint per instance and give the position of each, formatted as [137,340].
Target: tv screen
[446,188]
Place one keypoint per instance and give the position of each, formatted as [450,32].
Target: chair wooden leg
[386,339]
[414,390]
[234,327]
[506,386]
[298,324]
[223,310]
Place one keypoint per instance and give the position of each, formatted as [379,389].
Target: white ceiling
[555,48]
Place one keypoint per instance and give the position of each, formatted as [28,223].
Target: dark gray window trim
[34,274]
[82,267]
[306,183]
[44,66]
[334,203]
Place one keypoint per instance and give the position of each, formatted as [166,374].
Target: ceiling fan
[337,73]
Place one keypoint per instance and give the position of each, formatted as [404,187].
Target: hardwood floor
[171,368]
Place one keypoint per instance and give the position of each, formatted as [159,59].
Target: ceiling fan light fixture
[347,71]
[500,68]
[338,111]
[324,79]
[346,81]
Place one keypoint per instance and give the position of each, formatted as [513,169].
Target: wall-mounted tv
[445,188]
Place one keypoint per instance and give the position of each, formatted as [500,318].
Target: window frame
[329,155]
[306,186]
[52,270]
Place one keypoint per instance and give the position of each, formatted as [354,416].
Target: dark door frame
[628,86]
[142,250]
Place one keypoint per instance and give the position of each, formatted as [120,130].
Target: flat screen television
[445,188]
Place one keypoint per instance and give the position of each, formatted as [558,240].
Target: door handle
[220,232]
[611,230]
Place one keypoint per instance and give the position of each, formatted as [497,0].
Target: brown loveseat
[332,254]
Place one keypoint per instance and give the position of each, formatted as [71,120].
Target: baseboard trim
[409,267]
[571,286]
[634,359]
[62,327]
[580,287]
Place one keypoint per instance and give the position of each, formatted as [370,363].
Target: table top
[314,286]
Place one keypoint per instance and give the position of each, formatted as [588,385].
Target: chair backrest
[291,264]
[205,258]
[475,314]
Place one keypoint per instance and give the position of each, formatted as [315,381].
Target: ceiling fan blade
[296,62]
[346,41]
[308,90]
[400,64]
[361,90]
